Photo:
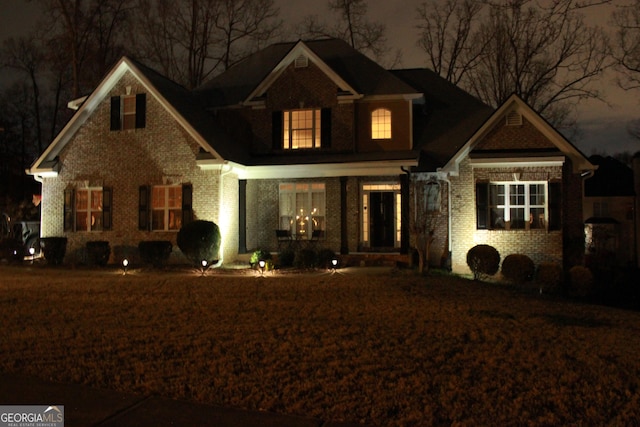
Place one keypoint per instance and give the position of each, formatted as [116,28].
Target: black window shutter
[141,110]
[106,208]
[187,204]
[325,127]
[69,204]
[144,209]
[115,113]
[482,206]
[276,130]
[555,206]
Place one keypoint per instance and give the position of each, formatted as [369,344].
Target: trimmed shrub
[286,257]
[98,252]
[483,260]
[155,252]
[324,257]
[260,254]
[518,268]
[54,249]
[549,278]
[581,283]
[200,240]
[305,258]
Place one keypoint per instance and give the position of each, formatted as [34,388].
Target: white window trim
[309,211]
[287,123]
[507,206]
[385,136]
[166,209]
[370,187]
[89,212]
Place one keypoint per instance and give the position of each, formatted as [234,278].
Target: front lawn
[387,349]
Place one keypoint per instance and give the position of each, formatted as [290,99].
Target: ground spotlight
[262,264]
[204,266]
[125,264]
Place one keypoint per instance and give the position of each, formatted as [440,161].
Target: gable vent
[514,119]
[301,62]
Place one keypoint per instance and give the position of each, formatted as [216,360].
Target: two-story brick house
[315,140]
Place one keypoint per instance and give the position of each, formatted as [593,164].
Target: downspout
[220,193]
[449,221]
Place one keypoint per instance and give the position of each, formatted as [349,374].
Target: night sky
[602,126]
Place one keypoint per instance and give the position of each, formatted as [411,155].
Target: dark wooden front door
[381,219]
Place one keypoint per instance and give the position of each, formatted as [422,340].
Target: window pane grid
[302,208]
[381,124]
[166,202]
[89,209]
[518,206]
[301,129]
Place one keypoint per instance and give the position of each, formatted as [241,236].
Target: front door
[381,219]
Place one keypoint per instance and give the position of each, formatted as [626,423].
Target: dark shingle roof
[446,120]
[361,73]
[190,108]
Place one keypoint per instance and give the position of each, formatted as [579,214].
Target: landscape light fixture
[262,263]
[125,264]
[204,266]
[334,264]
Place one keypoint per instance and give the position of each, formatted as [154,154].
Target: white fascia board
[76,103]
[330,170]
[517,162]
[299,49]
[393,97]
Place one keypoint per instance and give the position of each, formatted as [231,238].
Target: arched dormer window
[381,124]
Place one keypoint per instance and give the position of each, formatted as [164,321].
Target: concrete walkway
[85,406]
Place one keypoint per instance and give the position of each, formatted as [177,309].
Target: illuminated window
[166,212]
[302,208]
[301,129]
[88,208]
[381,124]
[513,206]
[128,112]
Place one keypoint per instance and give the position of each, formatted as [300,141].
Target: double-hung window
[513,205]
[165,207]
[302,208]
[166,212]
[128,111]
[301,129]
[87,209]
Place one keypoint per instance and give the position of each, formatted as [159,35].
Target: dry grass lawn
[386,349]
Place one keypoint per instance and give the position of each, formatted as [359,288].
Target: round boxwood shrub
[200,241]
[260,254]
[54,249]
[549,278]
[99,252]
[483,260]
[518,268]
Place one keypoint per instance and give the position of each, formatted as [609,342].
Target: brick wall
[160,153]
[539,245]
